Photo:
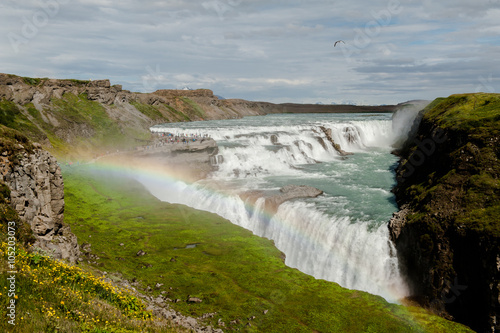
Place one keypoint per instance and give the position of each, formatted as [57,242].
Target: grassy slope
[52,296]
[84,127]
[236,274]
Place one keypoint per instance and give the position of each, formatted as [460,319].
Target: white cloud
[263,50]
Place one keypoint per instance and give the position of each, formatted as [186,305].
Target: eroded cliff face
[447,231]
[37,194]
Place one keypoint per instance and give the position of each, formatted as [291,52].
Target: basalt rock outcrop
[37,194]
[447,232]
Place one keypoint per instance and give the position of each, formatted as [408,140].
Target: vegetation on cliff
[78,119]
[470,126]
[449,178]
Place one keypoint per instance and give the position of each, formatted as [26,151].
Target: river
[340,236]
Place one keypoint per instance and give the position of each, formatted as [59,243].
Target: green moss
[8,113]
[195,107]
[32,81]
[235,273]
[13,141]
[177,114]
[80,82]
[11,116]
[482,220]
[99,130]
[149,110]
[474,113]
[462,183]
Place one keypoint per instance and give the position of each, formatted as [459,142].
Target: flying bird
[339,41]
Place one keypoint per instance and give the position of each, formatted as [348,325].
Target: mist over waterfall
[340,236]
[405,121]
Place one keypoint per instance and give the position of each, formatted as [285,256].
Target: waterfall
[341,236]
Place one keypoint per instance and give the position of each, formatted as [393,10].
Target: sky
[261,50]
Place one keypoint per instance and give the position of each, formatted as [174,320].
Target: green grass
[11,116]
[467,112]
[51,296]
[177,114]
[97,131]
[235,273]
[80,82]
[150,111]
[195,107]
[83,126]
[33,81]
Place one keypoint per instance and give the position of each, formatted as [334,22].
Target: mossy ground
[469,175]
[94,126]
[51,296]
[474,113]
[195,108]
[235,273]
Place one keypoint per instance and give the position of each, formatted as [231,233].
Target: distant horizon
[274,51]
[223,97]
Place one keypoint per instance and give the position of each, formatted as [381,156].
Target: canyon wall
[447,232]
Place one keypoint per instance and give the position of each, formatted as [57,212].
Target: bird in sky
[339,41]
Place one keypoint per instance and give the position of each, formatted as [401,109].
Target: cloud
[261,50]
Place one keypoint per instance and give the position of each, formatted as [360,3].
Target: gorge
[447,178]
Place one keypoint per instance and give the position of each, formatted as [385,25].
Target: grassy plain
[238,275]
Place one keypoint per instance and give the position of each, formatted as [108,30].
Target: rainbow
[172,186]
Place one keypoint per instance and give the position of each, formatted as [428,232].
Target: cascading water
[341,236]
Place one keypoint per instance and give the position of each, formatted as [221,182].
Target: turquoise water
[340,236]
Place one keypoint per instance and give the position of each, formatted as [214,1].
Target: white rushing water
[340,236]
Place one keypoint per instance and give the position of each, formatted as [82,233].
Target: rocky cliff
[80,118]
[448,233]
[37,194]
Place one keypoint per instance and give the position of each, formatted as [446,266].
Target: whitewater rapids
[341,236]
